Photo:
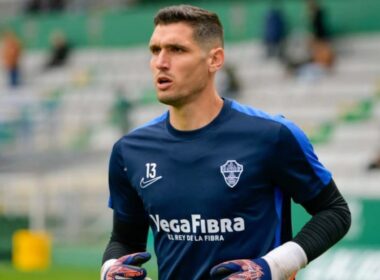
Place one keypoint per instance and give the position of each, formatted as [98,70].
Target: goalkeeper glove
[281,263]
[257,269]
[127,267]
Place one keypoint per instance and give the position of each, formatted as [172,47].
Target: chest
[213,177]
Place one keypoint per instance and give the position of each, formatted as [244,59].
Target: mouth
[163,82]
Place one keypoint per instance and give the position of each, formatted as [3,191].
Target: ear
[216,59]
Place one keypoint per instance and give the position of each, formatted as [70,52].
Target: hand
[127,267]
[257,269]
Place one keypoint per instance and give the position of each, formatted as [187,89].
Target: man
[11,55]
[211,177]
[317,20]
[59,51]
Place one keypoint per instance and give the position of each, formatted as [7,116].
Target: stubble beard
[174,100]
[179,98]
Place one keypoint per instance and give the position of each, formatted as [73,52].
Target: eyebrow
[153,47]
[168,46]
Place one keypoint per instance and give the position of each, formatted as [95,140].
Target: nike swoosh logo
[144,184]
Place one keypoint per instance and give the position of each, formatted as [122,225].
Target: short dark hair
[206,24]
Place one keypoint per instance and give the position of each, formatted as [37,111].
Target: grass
[69,262]
[7,272]
[56,273]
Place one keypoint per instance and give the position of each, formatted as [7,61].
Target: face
[180,66]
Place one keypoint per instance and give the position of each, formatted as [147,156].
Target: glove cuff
[105,267]
[264,268]
[285,260]
[263,263]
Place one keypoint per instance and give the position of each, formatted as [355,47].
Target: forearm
[331,219]
[329,223]
[126,238]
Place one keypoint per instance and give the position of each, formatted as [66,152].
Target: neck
[197,114]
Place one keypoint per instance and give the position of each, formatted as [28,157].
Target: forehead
[178,33]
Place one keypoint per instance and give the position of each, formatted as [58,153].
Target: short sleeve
[123,198]
[297,168]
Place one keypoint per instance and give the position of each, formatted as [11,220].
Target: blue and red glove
[127,267]
[257,269]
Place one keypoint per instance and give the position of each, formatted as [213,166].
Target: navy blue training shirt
[218,193]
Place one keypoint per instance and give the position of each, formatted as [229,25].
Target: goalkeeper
[214,179]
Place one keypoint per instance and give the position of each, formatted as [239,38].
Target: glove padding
[127,267]
[257,269]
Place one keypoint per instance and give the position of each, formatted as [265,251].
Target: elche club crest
[231,172]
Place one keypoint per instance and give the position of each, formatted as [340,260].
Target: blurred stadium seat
[56,134]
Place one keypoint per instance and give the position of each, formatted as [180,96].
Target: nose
[162,61]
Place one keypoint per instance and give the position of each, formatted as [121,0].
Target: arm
[126,238]
[303,177]
[330,221]
[122,253]
[299,173]
[130,225]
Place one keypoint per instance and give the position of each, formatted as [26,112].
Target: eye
[177,49]
[155,50]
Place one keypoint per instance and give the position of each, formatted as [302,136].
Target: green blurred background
[56,130]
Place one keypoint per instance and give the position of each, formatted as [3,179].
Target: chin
[167,100]
[171,100]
